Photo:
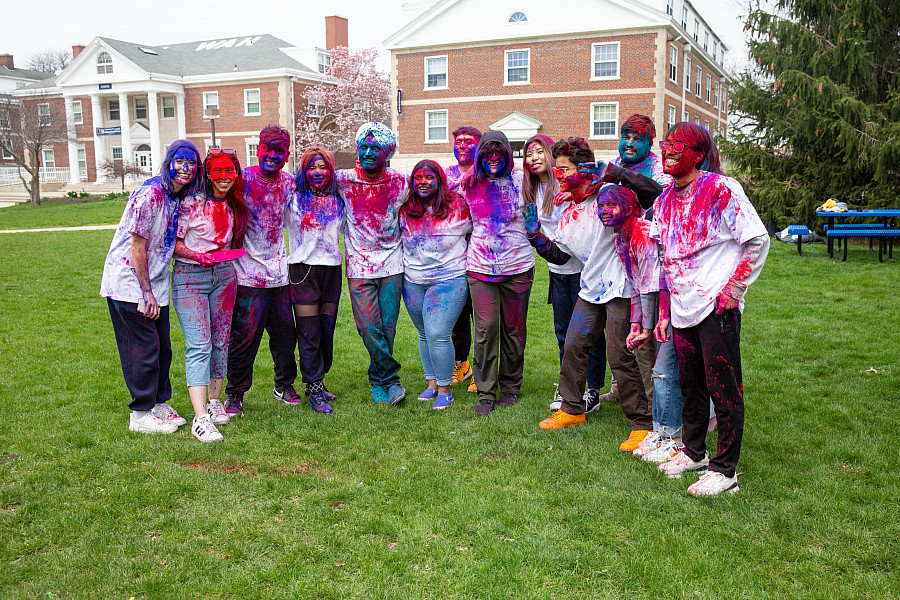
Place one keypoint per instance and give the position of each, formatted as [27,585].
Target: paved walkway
[82,228]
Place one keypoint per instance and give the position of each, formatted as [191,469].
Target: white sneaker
[664,452]
[680,464]
[556,404]
[204,430]
[150,423]
[713,483]
[648,444]
[216,412]
[165,412]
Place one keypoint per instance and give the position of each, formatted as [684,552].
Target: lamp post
[211,114]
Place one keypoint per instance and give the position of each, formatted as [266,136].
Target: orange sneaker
[472,387]
[560,420]
[633,440]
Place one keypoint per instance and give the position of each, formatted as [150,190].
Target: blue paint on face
[183,167]
[633,147]
[371,155]
[494,162]
[271,158]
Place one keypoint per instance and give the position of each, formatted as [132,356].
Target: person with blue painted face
[136,287]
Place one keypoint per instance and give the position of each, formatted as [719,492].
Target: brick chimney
[76,50]
[6,60]
[335,32]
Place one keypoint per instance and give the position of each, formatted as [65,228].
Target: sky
[56,24]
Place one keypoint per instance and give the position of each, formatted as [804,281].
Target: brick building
[123,100]
[531,66]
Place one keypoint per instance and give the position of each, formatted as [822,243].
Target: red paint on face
[220,168]
[317,174]
[567,175]
[680,164]
[271,158]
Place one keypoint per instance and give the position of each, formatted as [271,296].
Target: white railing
[10,175]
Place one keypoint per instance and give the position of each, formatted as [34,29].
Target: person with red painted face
[263,299]
[500,271]
[714,246]
[314,220]
[604,301]
[465,143]
[204,287]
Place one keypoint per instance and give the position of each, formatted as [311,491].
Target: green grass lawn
[59,214]
[379,502]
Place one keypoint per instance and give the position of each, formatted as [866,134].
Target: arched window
[518,17]
[104,63]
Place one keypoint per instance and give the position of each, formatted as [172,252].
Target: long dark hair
[196,184]
[531,181]
[234,197]
[306,159]
[443,200]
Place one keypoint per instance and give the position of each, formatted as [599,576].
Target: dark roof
[24,73]
[230,55]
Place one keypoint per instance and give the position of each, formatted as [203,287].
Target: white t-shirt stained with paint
[314,229]
[205,224]
[265,264]
[435,249]
[549,225]
[152,214]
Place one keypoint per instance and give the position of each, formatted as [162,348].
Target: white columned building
[179,116]
[74,175]
[155,147]
[125,123]
[99,145]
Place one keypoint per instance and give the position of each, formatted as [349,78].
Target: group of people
[657,293]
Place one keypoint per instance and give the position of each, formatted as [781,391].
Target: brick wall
[231,107]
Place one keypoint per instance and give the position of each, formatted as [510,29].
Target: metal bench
[799,231]
[884,237]
[838,226]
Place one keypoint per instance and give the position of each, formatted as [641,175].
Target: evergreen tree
[819,109]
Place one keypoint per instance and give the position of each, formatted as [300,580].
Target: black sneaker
[287,395]
[234,405]
[591,400]
[507,399]
[485,406]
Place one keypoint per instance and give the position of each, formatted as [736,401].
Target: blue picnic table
[880,229]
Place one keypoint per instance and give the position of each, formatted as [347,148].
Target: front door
[142,160]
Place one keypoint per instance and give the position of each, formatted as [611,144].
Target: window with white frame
[708,87]
[696,30]
[112,111]
[104,63]
[140,108]
[315,107]
[323,61]
[436,129]
[77,112]
[517,17]
[684,18]
[436,72]
[604,116]
[715,49]
[696,120]
[252,105]
[699,81]
[4,120]
[673,64]
[44,113]
[252,159]
[670,7]
[81,153]
[706,41]
[687,74]
[671,116]
[168,107]
[116,152]
[7,155]
[605,60]
[49,161]
[518,67]
[706,124]
[685,116]
[716,96]
[210,101]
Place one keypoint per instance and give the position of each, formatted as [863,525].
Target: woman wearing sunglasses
[204,285]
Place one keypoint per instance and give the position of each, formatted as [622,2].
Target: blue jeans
[203,298]
[376,307]
[434,309]
[667,399]
[563,296]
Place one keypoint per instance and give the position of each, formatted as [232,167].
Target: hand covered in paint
[596,169]
[562,197]
[532,224]
[725,302]
[637,337]
[661,331]
[148,305]
[204,259]
[465,182]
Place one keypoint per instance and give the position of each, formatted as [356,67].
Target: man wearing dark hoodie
[500,270]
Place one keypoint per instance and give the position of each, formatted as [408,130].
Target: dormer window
[104,63]
[323,61]
[518,17]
